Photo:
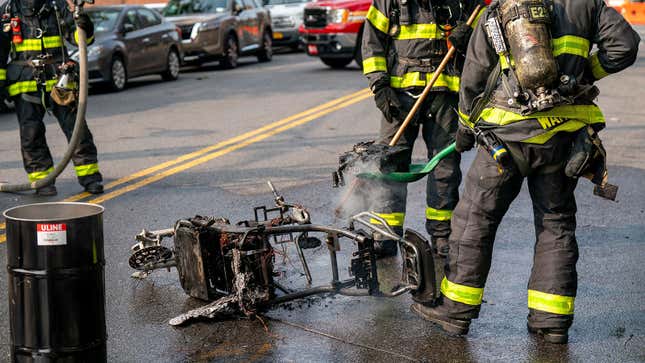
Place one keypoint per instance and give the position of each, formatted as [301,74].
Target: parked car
[333,29]
[286,18]
[131,41]
[222,30]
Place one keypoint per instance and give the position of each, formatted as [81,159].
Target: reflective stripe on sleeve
[420,31]
[374,64]
[37,175]
[555,304]
[571,44]
[88,169]
[378,19]
[414,79]
[596,68]
[393,219]
[438,214]
[462,293]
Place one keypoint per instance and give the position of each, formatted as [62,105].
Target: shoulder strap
[485,97]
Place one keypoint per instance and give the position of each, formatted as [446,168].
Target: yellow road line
[164,165]
[247,139]
[224,151]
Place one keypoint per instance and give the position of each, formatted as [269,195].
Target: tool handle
[430,83]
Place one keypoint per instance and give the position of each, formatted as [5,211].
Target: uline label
[51,234]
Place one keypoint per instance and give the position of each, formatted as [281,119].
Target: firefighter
[403,43]
[536,124]
[33,37]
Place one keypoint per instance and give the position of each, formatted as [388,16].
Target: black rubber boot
[385,248]
[94,188]
[47,191]
[438,316]
[550,335]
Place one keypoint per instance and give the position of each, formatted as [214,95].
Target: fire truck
[632,10]
[332,30]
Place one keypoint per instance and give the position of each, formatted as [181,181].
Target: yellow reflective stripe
[462,293]
[499,152]
[3,74]
[438,214]
[28,86]
[465,119]
[53,41]
[392,219]
[378,19]
[569,126]
[420,31]
[374,64]
[555,304]
[414,79]
[587,113]
[87,41]
[596,68]
[571,44]
[29,45]
[85,170]
[479,15]
[37,175]
[35,45]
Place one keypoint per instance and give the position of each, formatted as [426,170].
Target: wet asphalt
[152,122]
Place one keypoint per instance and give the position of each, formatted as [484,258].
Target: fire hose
[80,115]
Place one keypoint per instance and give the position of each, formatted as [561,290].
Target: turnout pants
[35,153]
[437,121]
[486,198]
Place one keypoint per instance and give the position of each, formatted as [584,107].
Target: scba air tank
[526,26]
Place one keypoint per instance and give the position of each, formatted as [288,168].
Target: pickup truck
[332,30]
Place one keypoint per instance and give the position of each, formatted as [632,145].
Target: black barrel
[56,264]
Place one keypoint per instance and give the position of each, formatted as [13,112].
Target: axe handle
[430,83]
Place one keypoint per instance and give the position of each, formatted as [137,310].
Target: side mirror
[128,28]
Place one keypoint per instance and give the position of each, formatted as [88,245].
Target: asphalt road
[201,145]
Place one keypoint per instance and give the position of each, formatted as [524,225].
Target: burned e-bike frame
[233,265]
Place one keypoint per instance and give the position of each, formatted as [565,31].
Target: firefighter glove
[388,102]
[84,22]
[459,37]
[465,139]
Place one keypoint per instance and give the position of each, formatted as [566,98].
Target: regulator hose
[78,126]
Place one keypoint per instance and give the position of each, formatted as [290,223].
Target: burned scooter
[233,265]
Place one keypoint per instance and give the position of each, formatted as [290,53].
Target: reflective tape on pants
[438,214]
[393,219]
[461,293]
[85,170]
[37,175]
[550,303]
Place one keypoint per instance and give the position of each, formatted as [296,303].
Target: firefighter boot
[550,335]
[94,188]
[47,191]
[439,316]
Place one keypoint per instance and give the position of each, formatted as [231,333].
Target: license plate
[277,35]
[312,49]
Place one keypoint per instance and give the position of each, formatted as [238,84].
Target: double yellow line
[187,161]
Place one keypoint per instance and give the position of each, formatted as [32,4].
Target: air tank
[526,27]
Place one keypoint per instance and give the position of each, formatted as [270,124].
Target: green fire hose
[80,116]
[416,171]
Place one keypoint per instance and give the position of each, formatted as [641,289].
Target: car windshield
[185,7]
[104,19]
[282,2]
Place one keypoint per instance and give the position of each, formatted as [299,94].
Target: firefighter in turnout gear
[403,43]
[538,125]
[33,36]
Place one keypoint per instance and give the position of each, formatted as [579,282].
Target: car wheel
[337,63]
[231,53]
[118,74]
[172,66]
[265,53]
